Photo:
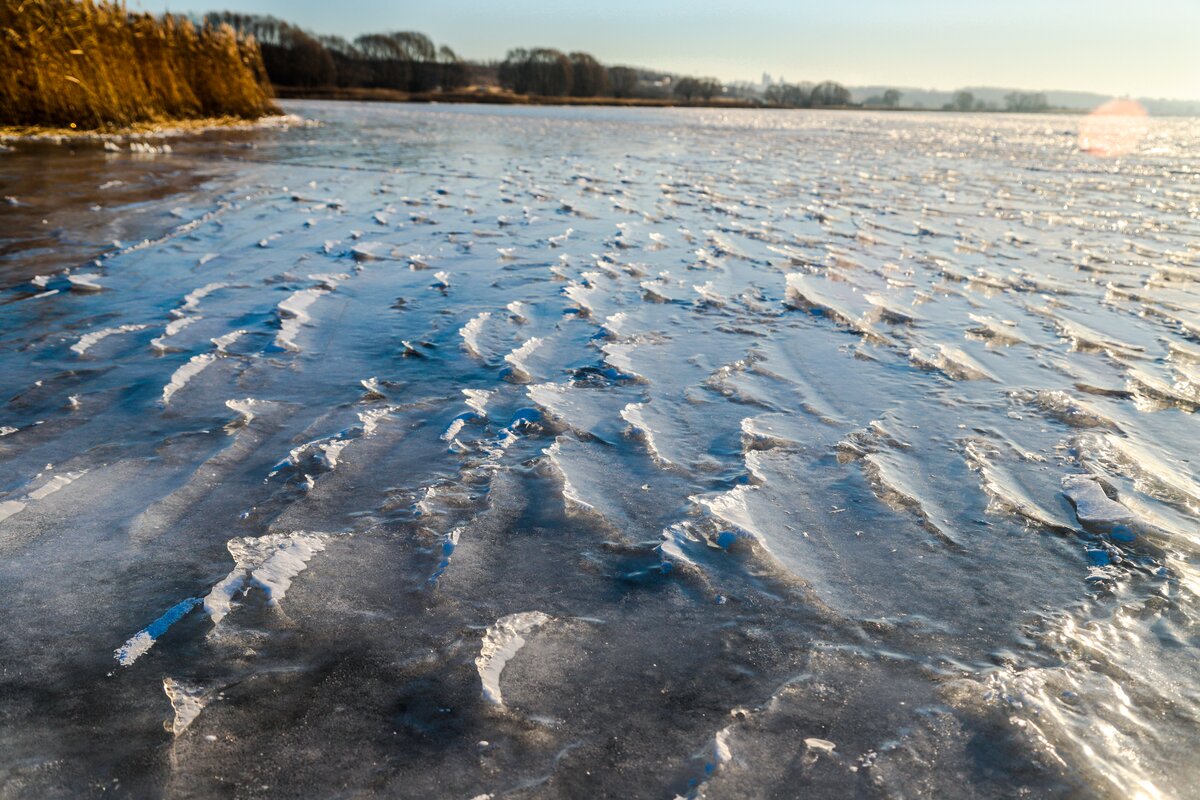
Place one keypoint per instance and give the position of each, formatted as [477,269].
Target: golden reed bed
[96,66]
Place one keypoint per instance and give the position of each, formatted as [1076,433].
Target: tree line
[1024,102]
[405,60]
[411,62]
[547,72]
[827,94]
[551,73]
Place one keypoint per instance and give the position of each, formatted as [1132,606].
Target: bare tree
[790,95]
[513,71]
[622,81]
[351,71]
[963,101]
[1025,101]
[686,88]
[389,69]
[454,73]
[589,78]
[541,71]
[708,88]
[404,60]
[291,56]
[830,94]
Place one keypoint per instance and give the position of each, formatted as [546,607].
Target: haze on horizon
[1146,49]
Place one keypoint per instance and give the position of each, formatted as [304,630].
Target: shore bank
[143,130]
[509,98]
[493,98]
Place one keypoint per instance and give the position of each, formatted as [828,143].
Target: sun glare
[1114,129]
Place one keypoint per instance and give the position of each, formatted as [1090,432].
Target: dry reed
[93,65]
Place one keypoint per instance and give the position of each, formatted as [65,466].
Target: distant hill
[1076,101]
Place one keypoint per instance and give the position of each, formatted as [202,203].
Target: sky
[1147,48]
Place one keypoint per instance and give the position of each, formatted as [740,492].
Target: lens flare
[1114,129]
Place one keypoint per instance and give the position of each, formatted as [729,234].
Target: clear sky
[1137,47]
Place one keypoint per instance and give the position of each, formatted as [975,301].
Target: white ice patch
[721,754]
[516,359]
[371,418]
[222,343]
[187,700]
[709,294]
[55,484]
[674,539]
[731,508]
[454,428]
[554,399]
[1150,470]
[10,507]
[614,324]
[516,310]
[331,451]
[470,333]
[318,446]
[194,366]
[477,400]
[297,304]
[372,388]
[954,363]
[579,294]
[633,414]
[1092,505]
[192,299]
[329,280]
[85,282]
[89,340]
[571,496]
[245,408]
[293,314]
[617,356]
[500,643]
[173,327]
[269,563]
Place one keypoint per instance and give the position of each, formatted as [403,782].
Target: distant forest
[411,62]
[408,62]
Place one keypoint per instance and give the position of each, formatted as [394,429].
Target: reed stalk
[93,65]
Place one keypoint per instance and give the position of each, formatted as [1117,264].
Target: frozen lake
[534,452]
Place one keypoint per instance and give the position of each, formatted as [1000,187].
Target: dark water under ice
[470,452]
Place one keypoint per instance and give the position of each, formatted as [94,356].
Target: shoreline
[165,129]
[358,94]
[492,98]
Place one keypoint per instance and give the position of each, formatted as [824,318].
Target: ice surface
[840,455]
